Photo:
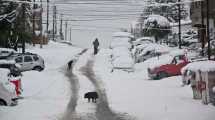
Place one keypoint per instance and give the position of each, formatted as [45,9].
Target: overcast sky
[89,19]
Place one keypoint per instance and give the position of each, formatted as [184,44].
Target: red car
[167,65]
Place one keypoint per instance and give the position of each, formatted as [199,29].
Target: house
[38,37]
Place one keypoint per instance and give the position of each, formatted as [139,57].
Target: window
[35,58]
[28,59]
[18,60]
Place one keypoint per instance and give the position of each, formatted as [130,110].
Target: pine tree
[12,29]
[161,7]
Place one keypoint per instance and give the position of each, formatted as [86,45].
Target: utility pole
[70,30]
[202,27]
[208,30]
[23,16]
[61,25]
[53,29]
[66,30]
[47,19]
[33,32]
[179,24]
[41,23]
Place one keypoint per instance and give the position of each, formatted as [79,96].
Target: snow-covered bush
[157,26]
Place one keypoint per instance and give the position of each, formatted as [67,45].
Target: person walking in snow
[95,46]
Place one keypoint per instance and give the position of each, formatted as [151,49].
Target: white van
[7,89]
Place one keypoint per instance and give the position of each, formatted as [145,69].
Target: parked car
[167,65]
[7,89]
[28,61]
[149,51]
[143,40]
[5,52]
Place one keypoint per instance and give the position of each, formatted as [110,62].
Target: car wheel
[2,103]
[38,68]
[162,75]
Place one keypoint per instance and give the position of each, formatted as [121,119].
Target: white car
[28,61]
[5,52]
[7,90]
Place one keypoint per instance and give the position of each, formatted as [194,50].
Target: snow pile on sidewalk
[121,54]
[204,66]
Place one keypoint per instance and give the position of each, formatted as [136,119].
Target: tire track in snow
[103,110]
[71,113]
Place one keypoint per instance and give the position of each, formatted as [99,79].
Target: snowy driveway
[101,109]
[48,95]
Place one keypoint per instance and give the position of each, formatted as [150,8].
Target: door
[180,63]
[28,63]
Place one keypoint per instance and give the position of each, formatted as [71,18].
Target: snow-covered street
[50,95]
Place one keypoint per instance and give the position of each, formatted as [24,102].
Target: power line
[87,3]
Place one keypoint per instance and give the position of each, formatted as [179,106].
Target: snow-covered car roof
[143,40]
[204,66]
[157,48]
[120,42]
[7,49]
[7,62]
[154,47]
[120,51]
[163,59]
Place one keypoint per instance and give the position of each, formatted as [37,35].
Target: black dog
[91,95]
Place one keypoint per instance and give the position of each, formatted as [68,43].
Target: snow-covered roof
[161,21]
[204,66]
[163,59]
[7,62]
[123,34]
[7,49]
[158,61]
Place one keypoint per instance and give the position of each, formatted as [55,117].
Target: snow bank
[125,62]
[161,21]
[3,74]
[120,51]
[204,66]
[121,58]
[120,42]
